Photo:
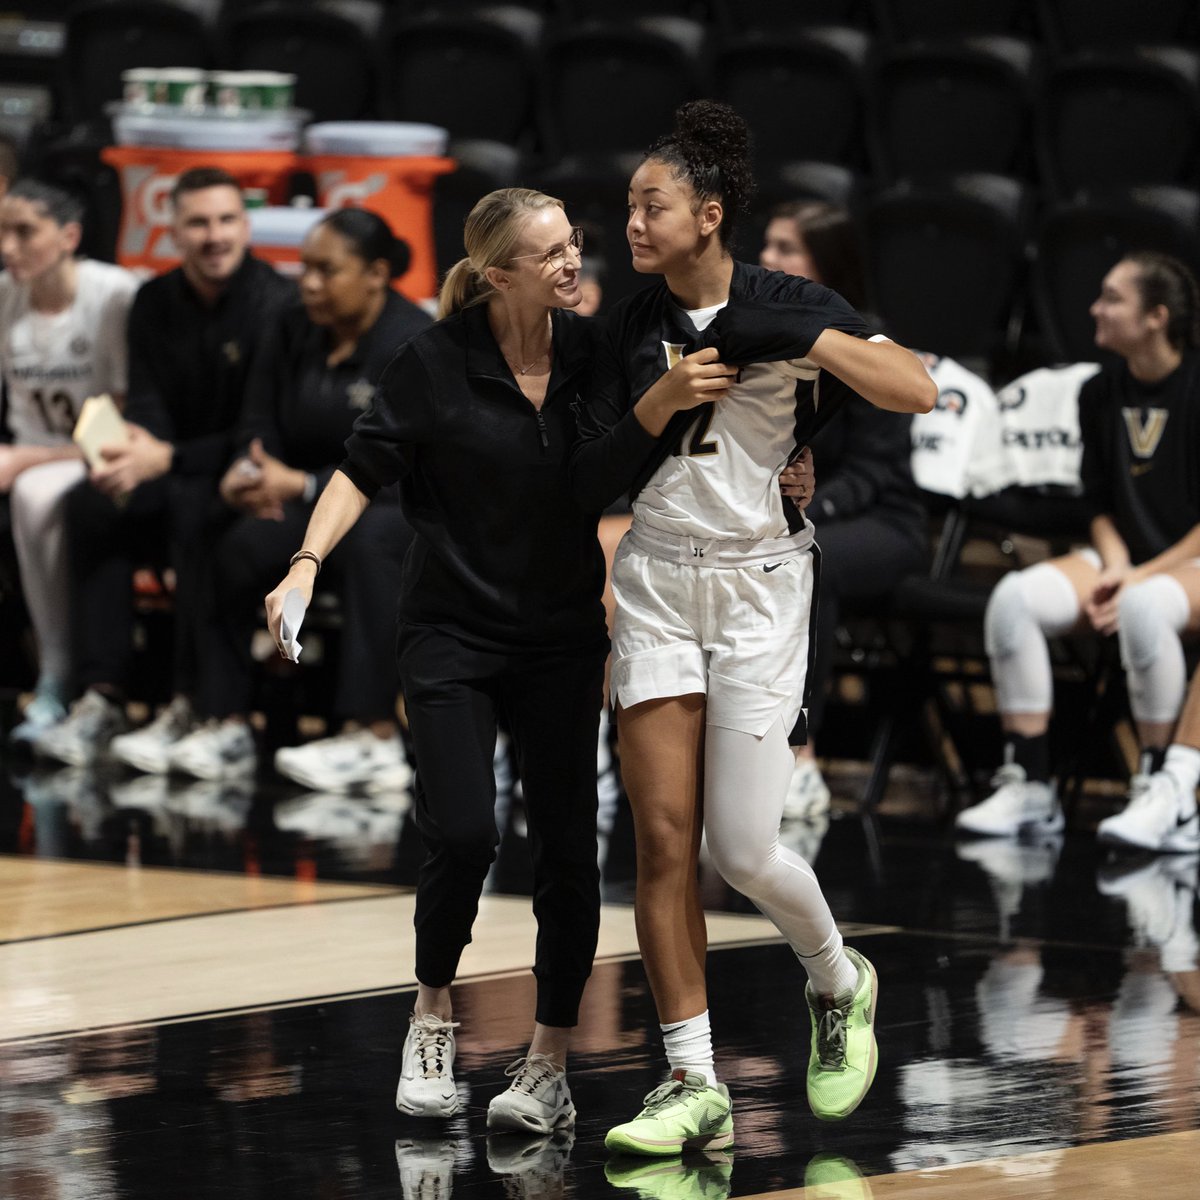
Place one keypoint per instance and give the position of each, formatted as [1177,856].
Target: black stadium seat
[943,261]
[1116,118]
[807,179]
[781,17]
[472,73]
[1074,24]
[935,18]
[801,94]
[620,10]
[932,102]
[612,87]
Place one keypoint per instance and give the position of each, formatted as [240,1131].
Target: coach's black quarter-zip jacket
[504,557]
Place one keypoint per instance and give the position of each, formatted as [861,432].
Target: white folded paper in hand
[294,608]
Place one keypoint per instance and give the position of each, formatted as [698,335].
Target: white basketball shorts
[727,620]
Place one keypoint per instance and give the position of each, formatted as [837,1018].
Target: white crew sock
[830,971]
[689,1047]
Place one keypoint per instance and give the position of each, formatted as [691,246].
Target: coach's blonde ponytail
[462,287]
[491,233]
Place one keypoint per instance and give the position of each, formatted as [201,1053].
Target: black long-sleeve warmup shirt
[504,557]
[303,408]
[770,317]
[189,361]
[1141,454]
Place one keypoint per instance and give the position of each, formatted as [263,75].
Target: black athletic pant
[862,558]
[550,703]
[364,570]
[169,521]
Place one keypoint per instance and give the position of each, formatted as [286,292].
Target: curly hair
[709,148]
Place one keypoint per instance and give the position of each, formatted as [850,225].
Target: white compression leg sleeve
[39,532]
[745,783]
[1152,616]
[1024,609]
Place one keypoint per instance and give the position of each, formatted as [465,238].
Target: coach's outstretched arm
[881,372]
[340,506]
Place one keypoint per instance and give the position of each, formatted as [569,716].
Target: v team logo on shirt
[1144,432]
[360,394]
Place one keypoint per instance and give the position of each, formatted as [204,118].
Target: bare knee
[667,845]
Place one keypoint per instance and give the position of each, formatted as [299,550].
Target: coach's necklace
[520,370]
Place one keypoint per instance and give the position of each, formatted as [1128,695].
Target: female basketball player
[62,339]
[708,385]
[499,612]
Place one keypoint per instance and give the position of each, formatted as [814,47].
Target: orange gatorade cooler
[388,167]
[259,151]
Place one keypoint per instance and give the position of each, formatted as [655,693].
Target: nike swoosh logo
[1182,821]
[674,1028]
[773,567]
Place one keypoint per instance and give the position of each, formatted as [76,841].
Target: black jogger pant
[550,703]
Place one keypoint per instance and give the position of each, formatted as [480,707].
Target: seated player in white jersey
[709,383]
[62,339]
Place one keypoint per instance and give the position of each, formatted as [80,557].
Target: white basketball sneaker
[215,750]
[1160,815]
[1017,805]
[347,760]
[148,749]
[426,1087]
[537,1101]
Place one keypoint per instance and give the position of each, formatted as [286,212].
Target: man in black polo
[193,334]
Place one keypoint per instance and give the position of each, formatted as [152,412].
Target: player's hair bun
[710,148]
[713,129]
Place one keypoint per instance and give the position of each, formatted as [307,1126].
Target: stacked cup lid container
[185,108]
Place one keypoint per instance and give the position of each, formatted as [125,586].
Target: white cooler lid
[193,131]
[376,139]
[282,225]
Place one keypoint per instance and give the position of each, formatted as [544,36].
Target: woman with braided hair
[708,384]
[1140,577]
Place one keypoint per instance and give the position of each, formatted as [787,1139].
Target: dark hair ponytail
[1165,280]
[710,149]
[370,237]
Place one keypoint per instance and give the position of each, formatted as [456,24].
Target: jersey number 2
[697,446]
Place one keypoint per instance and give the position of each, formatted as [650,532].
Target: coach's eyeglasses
[556,258]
